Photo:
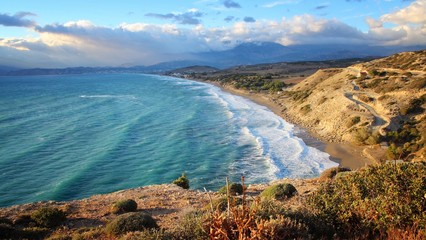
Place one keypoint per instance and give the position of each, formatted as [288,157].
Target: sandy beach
[346,154]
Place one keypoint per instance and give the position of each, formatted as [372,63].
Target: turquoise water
[69,137]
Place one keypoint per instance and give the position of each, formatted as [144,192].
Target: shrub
[414,106]
[361,135]
[279,191]
[269,207]
[89,233]
[354,120]
[322,100]
[124,206]
[190,226]
[234,189]
[182,181]
[306,109]
[23,220]
[7,231]
[48,217]
[332,172]
[34,233]
[130,222]
[221,203]
[149,234]
[373,201]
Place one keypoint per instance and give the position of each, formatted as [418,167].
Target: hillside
[358,101]
[368,103]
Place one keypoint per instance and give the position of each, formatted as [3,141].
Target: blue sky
[133,32]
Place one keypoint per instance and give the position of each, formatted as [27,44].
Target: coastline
[343,153]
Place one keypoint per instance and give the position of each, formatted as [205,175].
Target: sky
[51,33]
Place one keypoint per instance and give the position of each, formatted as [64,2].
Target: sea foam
[282,152]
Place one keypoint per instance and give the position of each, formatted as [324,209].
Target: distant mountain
[5,69]
[244,54]
[268,52]
[157,68]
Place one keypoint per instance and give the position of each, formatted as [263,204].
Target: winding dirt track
[379,122]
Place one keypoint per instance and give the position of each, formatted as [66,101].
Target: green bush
[279,191]
[234,189]
[268,208]
[190,226]
[124,206]
[48,217]
[182,181]
[363,135]
[130,222]
[221,203]
[354,120]
[373,201]
[332,172]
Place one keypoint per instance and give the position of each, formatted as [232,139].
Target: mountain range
[243,54]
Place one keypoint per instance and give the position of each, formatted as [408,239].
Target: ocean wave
[109,96]
[286,154]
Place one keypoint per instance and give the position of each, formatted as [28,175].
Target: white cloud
[372,23]
[409,26]
[414,13]
[81,42]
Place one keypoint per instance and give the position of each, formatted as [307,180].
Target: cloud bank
[17,20]
[81,42]
[191,17]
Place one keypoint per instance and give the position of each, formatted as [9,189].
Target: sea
[66,137]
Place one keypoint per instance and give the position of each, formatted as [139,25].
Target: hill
[378,104]
[367,103]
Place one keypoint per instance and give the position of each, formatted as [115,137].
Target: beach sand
[346,154]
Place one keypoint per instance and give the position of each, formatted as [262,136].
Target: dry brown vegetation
[376,202]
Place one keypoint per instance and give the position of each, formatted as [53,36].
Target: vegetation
[190,226]
[234,189]
[182,181]
[362,135]
[409,139]
[130,222]
[243,222]
[414,106]
[299,95]
[279,191]
[124,206]
[306,109]
[48,217]
[332,172]
[257,83]
[373,202]
[354,120]
[377,202]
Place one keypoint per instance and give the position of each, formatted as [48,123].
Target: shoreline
[345,154]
